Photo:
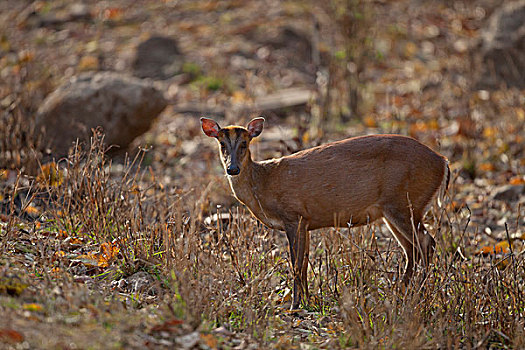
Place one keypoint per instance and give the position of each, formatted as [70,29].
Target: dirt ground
[99,255]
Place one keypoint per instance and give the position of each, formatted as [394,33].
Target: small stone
[158,58]
[124,107]
[503,48]
[509,193]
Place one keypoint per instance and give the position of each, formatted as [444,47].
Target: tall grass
[236,274]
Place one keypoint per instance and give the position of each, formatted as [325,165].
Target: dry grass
[238,276]
[72,230]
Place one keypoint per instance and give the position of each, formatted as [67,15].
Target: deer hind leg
[304,270]
[417,244]
[298,241]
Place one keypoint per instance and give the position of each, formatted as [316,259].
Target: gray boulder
[503,48]
[124,107]
[158,58]
[509,193]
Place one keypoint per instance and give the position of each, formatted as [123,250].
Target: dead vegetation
[118,254]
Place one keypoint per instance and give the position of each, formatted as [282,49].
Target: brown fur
[357,181]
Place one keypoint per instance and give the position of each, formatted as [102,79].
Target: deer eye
[223,145]
[244,144]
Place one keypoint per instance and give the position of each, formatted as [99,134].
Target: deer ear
[210,127]
[255,127]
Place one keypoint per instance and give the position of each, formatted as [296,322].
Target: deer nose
[233,170]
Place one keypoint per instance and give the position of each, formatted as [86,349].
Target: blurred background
[448,73]
[141,73]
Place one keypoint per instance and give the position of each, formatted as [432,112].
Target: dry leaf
[167,326]
[239,97]
[370,121]
[31,210]
[50,175]
[10,336]
[113,13]
[88,63]
[517,180]
[107,252]
[210,340]
[490,132]
[487,167]
[33,307]
[58,255]
[410,49]
[499,248]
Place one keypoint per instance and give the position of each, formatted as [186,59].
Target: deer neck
[249,188]
[245,185]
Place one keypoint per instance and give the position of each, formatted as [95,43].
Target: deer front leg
[297,241]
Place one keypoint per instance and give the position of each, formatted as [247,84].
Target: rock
[509,193]
[503,48]
[158,58]
[139,282]
[188,341]
[123,106]
[77,11]
[288,47]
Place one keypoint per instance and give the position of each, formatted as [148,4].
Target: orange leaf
[517,180]
[167,326]
[487,167]
[32,210]
[62,234]
[10,335]
[50,175]
[107,252]
[113,13]
[370,121]
[75,241]
[499,248]
[32,307]
[239,97]
[88,63]
[490,132]
[88,259]
[210,340]
[58,255]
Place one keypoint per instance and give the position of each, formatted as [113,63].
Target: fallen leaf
[487,167]
[490,132]
[107,252]
[58,255]
[113,13]
[26,56]
[31,210]
[167,326]
[370,121]
[210,340]
[33,307]
[88,63]
[410,49]
[75,241]
[517,180]
[239,97]
[499,248]
[102,258]
[10,335]
[50,175]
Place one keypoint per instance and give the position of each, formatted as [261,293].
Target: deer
[353,182]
